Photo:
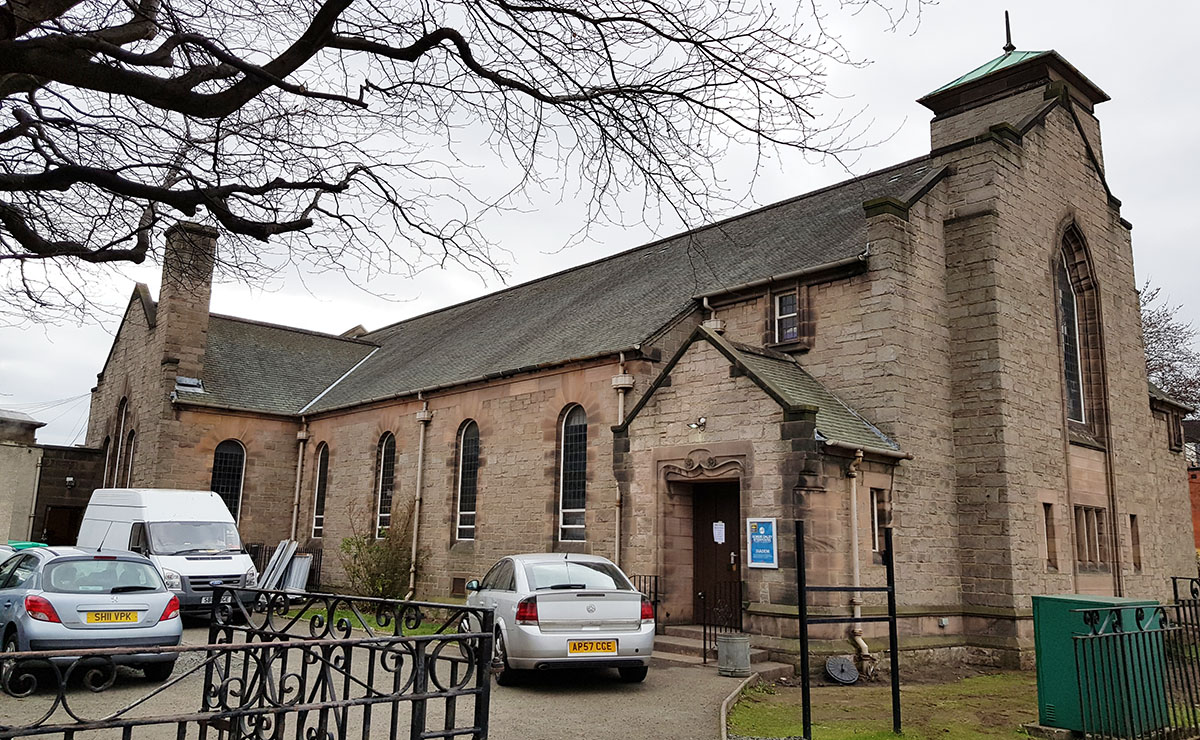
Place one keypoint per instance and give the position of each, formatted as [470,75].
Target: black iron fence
[720,611]
[324,666]
[650,588]
[1139,671]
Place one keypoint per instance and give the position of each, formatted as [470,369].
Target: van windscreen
[190,538]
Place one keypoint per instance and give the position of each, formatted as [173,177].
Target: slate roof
[618,302]
[784,378]
[1158,394]
[276,369]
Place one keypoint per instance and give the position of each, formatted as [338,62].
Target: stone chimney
[182,317]
[1000,97]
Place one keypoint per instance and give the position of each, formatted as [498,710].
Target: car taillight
[647,610]
[41,610]
[172,610]
[527,611]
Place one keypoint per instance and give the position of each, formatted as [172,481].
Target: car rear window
[568,574]
[101,577]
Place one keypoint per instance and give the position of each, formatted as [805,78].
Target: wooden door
[716,565]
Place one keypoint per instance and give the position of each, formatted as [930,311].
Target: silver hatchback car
[559,611]
[66,598]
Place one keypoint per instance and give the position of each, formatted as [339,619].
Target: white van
[189,535]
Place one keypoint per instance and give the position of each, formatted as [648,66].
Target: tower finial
[1008,45]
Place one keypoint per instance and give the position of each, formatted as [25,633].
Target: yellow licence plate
[591,646]
[111,617]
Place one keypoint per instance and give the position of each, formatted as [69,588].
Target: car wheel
[633,674]
[505,675]
[11,645]
[158,671]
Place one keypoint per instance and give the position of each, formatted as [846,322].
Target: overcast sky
[1139,53]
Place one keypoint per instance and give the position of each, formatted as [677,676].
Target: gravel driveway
[673,702]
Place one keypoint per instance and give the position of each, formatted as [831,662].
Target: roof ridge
[662,240]
[295,329]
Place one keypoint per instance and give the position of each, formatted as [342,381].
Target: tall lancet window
[1072,354]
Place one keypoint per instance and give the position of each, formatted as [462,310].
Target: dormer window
[787,317]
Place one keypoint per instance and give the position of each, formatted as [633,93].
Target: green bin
[1124,683]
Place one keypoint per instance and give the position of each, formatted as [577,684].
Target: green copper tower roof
[1001,62]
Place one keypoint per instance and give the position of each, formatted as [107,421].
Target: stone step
[694,631]
[693,645]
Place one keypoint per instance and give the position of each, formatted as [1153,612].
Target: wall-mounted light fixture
[70,482]
[698,423]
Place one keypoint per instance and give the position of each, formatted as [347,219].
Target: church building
[950,347]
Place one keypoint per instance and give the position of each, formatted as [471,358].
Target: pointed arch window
[468,480]
[107,461]
[322,483]
[386,484]
[129,447]
[1072,353]
[228,473]
[122,408]
[572,498]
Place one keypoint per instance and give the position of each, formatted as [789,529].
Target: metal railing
[1139,671]
[720,611]
[650,588]
[327,666]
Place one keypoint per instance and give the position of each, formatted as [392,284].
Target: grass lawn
[982,706]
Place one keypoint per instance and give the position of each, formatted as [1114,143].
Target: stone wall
[18,469]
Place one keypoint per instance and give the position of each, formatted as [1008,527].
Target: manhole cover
[841,669]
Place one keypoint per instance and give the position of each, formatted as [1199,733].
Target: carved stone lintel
[701,464]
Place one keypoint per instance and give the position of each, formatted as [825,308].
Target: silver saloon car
[565,611]
[66,598]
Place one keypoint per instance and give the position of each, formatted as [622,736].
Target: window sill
[1092,568]
[799,345]
[576,546]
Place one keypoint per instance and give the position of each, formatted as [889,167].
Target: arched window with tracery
[228,474]
[572,493]
[468,480]
[385,486]
[319,490]
[1079,335]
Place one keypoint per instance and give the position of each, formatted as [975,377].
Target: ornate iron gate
[326,666]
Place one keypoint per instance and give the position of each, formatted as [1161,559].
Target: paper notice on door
[719,533]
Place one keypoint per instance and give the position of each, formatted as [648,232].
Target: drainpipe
[621,383]
[301,442]
[424,416]
[864,657]
[37,483]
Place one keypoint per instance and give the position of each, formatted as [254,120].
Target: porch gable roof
[783,379]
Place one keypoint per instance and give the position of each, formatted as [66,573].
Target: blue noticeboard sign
[762,543]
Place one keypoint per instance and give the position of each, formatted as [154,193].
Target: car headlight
[173,580]
[251,578]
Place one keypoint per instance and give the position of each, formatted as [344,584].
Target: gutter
[866,450]
[802,272]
